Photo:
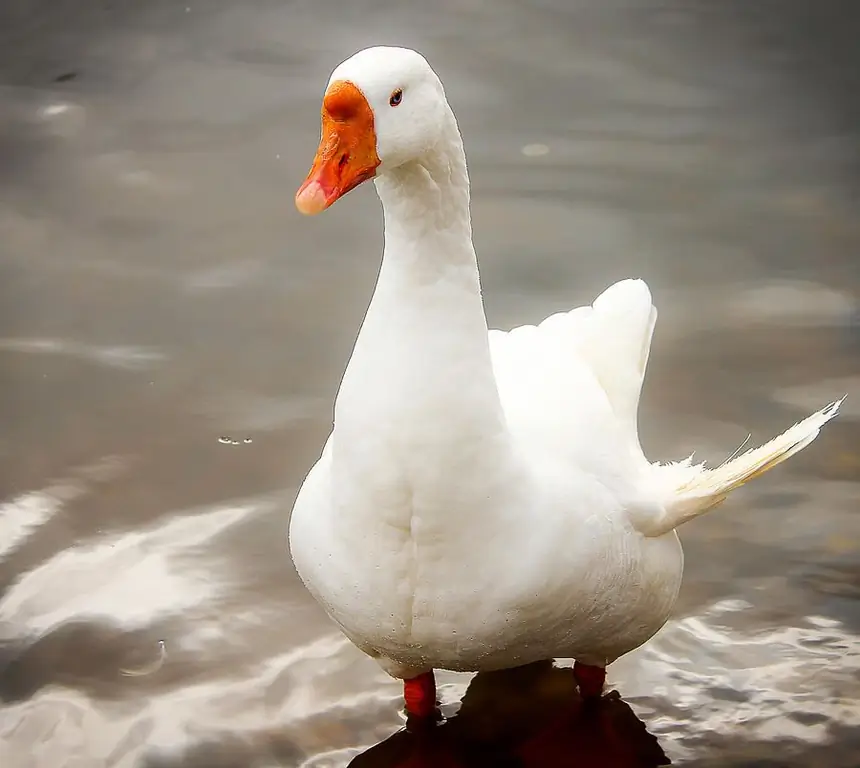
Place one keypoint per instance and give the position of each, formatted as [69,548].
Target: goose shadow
[524,718]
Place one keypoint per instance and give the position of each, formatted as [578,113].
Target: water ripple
[150,574]
[125,357]
[23,515]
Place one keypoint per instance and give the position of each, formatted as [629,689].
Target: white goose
[483,501]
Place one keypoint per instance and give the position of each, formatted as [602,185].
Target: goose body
[483,500]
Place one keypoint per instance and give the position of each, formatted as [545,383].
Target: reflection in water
[783,680]
[22,515]
[147,565]
[524,718]
[129,358]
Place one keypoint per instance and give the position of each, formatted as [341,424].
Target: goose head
[383,108]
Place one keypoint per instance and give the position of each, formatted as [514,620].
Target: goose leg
[420,695]
[589,679]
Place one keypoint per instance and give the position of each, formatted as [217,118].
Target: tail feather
[691,489]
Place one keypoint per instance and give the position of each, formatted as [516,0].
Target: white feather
[691,489]
[483,500]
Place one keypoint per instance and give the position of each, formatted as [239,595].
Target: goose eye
[396,97]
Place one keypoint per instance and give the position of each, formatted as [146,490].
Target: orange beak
[347,151]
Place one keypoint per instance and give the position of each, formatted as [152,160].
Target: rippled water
[172,334]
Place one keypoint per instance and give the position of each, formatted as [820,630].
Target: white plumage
[483,500]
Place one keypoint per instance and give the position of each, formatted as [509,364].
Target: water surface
[172,334]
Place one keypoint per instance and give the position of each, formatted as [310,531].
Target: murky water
[173,333]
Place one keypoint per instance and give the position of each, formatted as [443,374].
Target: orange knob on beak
[347,152]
